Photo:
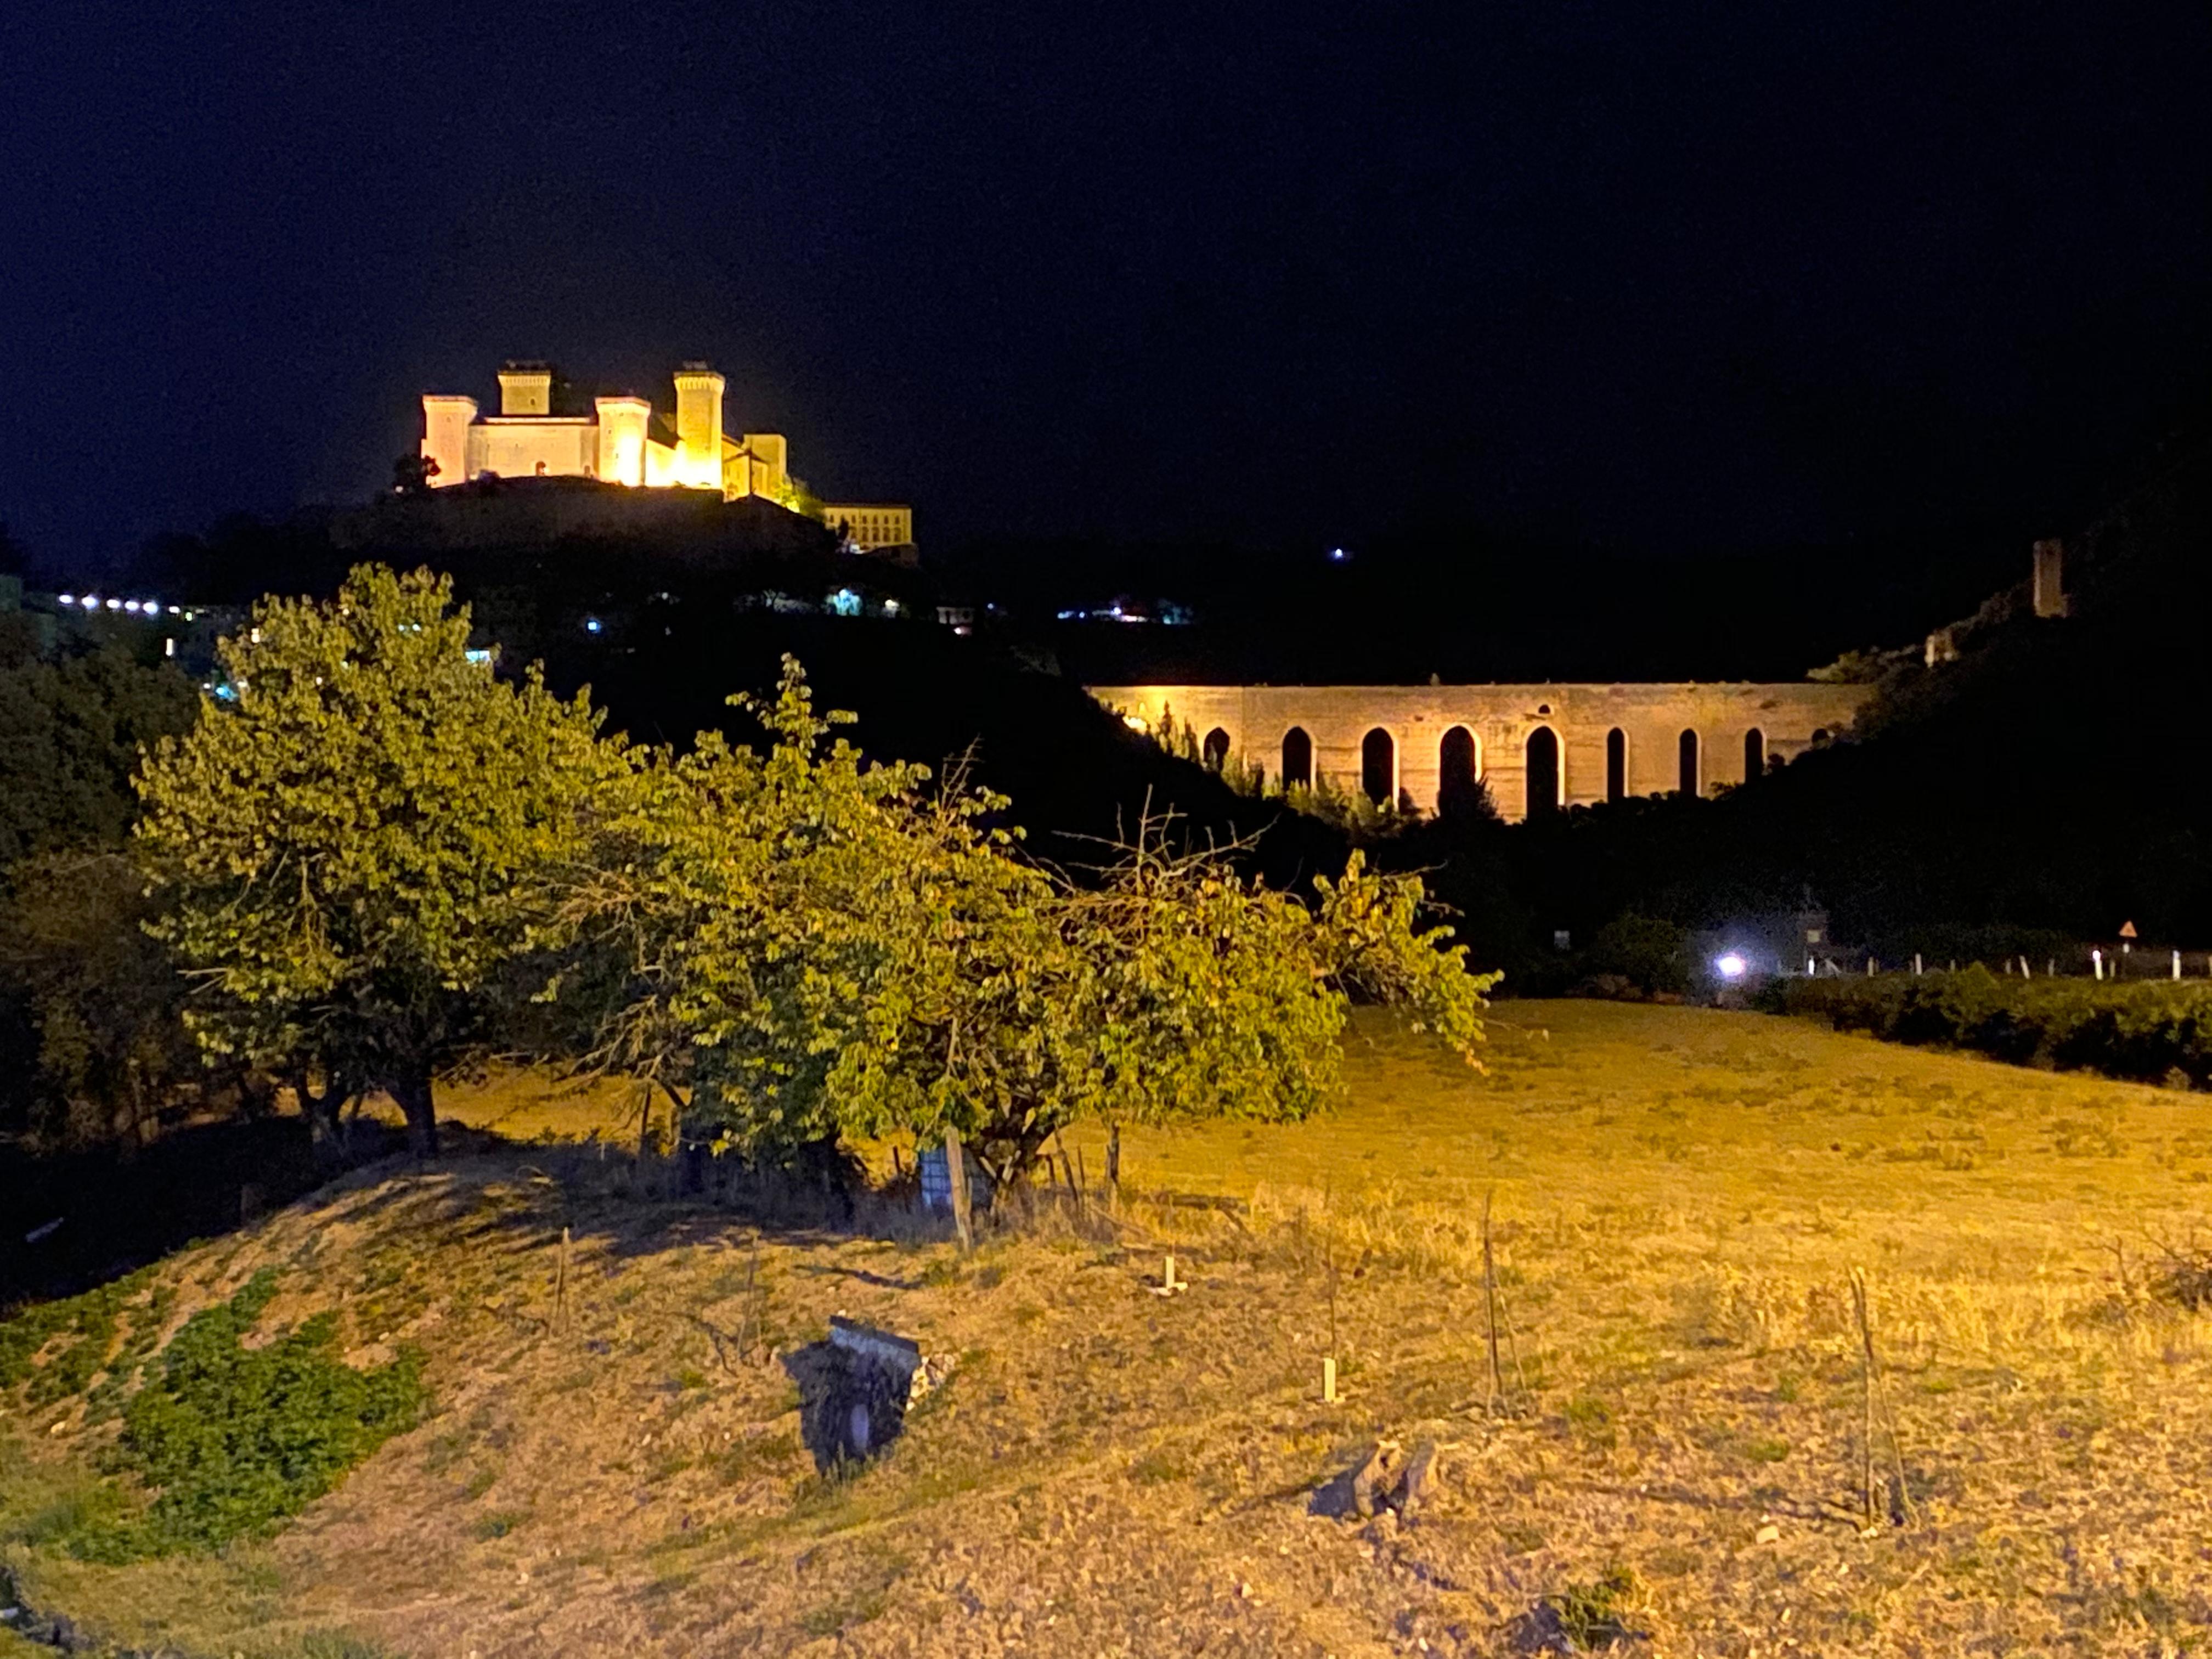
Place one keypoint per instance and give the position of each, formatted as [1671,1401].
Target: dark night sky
[1673,276]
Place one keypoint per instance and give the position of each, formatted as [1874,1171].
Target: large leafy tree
[71,725]
[814,947]
[351,851]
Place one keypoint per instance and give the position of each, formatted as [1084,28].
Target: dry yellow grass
[1679,1195]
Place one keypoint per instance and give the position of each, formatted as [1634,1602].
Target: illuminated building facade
[624,441]
[1533,746]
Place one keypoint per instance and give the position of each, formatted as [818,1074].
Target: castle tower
[445,422]
[768,471]
[622,422]
[699,427]
[525,389]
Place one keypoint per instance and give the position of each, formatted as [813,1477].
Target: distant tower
[698,427]
[445,422]
[2049,585]
[622,422]
[525,389]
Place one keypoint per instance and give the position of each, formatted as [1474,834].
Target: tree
[820,947]
[71,727]
[103,1007]
[349,853]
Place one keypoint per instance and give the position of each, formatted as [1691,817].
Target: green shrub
[229,1441]
[2156,1032]
[1652,955]
[88,1323]
[1596,1613]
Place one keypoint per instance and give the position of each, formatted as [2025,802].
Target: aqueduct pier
[1533,746]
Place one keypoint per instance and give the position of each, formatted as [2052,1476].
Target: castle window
[1217,748]
[1297,758]
[1755,754]
[1543,779]
[1616,764]
[1690,779]
[1378,766]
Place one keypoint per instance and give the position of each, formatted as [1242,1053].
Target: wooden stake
[1489,1298]
[955,1169]
[1114,1158]
[1871,1386]
[560,1284]
[1328,1380]
[1331,1261]
[1067,1171]
[1866,1397]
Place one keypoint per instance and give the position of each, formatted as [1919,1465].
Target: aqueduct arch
[1545,772]
[1378,766]
[1459,769]
[1611,741]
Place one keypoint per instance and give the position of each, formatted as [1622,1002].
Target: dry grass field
[1680,1197]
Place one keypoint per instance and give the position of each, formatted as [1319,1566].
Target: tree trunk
[413,1093]
[325,1132]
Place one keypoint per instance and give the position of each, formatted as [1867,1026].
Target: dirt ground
[1672,1455]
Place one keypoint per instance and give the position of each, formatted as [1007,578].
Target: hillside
[1680,1195]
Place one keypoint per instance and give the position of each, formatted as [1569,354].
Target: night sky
[1668,277]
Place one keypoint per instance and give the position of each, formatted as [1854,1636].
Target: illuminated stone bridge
[1533,746]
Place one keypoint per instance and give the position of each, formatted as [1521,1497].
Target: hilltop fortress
[622,440]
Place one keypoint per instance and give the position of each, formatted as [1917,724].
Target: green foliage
[1597,1613]
[1652,955]
[1359,815]
[104,1006]
[233,1440]
[2142,1030]
[818,947]
[70,729]
[80,988]
[349,853]
[230,1440]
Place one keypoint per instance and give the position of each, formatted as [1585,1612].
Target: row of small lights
[148,607]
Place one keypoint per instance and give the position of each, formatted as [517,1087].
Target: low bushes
[2158,1032]
[224,1439]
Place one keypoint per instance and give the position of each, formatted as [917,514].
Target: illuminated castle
[623,442]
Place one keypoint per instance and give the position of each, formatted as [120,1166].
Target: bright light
[115,604]
[90,601]
[592,624]
[1339,554]
[68,598]
[477,654]
[131,604]
[1135,722]
[1732,966]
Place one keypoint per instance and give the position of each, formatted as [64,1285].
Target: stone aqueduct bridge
[1534,744]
